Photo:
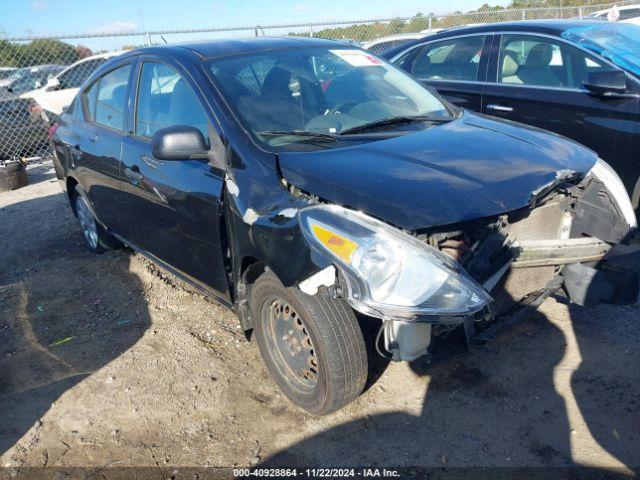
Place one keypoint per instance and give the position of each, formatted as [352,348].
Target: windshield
[7,74]
[33,78]
[617,42]
[319,90]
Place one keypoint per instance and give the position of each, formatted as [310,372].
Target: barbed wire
[528,13]
[40,74]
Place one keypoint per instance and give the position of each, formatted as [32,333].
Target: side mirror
[52,84]
[179,142]
[607,83]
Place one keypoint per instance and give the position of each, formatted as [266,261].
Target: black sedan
[311,186]
[578,78]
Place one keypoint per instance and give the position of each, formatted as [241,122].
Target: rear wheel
[96,237]
[312,345]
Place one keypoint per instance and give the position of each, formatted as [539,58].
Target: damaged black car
[311,186]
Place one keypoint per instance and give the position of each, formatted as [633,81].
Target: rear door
[537,80]
[456,67]
[98,141]
[173,207]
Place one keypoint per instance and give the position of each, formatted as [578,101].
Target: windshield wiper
[298,133]
[394,121]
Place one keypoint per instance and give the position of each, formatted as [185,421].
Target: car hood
[469,168]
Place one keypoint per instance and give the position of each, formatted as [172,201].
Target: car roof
[397,36]
[552,27]
[229,47]
[549,27]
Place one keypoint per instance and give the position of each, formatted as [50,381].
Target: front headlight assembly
[390,274]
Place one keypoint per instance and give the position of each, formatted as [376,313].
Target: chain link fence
[39,76]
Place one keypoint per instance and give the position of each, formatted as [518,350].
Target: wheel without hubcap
[87,223]
[311,344]
[289,340]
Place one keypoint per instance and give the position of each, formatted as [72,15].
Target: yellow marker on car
[339,245]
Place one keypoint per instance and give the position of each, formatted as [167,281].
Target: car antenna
[163,39]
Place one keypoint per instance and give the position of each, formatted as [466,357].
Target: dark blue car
[578,78]
[312,187]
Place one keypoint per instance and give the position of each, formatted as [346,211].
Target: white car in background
[7,75]
[624,14]
[59,91]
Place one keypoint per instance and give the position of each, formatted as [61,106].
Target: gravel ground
[108,360]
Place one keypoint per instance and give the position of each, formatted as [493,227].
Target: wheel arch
[635,197]
[71,184]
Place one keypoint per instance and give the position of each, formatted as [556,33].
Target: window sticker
[357,58]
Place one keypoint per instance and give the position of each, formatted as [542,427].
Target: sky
[51,17]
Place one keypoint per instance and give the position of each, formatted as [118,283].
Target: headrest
[421,65]
[540,56]
[509,64]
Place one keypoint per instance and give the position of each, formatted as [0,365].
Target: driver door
[173,207]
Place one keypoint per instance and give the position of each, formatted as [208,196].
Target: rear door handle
[133,174]
[499,108]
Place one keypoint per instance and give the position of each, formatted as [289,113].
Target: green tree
[46,51]
[8,54]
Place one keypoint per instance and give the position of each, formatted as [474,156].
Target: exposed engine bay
[560,243]
[557,244]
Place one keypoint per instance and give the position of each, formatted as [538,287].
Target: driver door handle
[133,174]
[499,108]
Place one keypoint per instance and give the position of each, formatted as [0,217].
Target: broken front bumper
[614,279]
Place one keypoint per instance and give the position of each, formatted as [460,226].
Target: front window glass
[543,62]
[617,42]
[319,90]
[165,99]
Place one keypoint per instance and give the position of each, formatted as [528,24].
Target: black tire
[97,239]
[328,328]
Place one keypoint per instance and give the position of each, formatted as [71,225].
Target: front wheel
[312,345]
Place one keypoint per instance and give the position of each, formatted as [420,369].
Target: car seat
[536,70]
[509,70]
[421,66]
[289,99]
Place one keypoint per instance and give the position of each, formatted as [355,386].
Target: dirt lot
[108,361]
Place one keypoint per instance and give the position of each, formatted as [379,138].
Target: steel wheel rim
[290,345]
[87,223]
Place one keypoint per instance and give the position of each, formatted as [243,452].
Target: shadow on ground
[45,352]
[482,417]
